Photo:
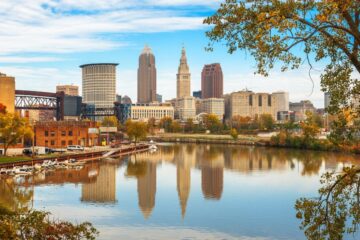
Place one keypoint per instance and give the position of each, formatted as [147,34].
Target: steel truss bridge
[32,100]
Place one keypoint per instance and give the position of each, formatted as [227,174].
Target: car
[75,148]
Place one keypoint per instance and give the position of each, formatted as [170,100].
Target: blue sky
[42,43]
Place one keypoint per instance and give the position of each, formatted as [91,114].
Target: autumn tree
[32,224]
[166,123]
[110,121]
[266,122]
[234,134]
[275,31]
[136,130]
[151,125]
[13,128]
[212,123]
[189,125]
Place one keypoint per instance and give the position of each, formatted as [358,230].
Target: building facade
[72,107]
[185,108]
[69,90]
[197,94]
[143,112]
[183,82]
[250,104]
[7,92]
[212,81]
[214,106]
[63,133]
[99,84]
[146,88]
[300,109]
[327,100]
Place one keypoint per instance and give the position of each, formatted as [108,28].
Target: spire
[146,50]
[183,56]
[183,67]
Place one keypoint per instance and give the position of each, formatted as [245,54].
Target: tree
[151,124]
[266,122]
[189,125]
[234,134]
[13,128]
[337,208]
[240,123]
[166,123]
[309,127]
[275,30]
[136,130]
[2,108]
[37,225]
[212,123]
[110,121]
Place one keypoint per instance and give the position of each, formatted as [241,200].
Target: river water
[183,191]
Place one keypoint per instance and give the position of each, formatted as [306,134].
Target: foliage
[136,130]
[309,127]
[234,134]
[274,31]
[212,123]
[189,125]
[2,108]
[337,209]
[166,123]
[33,224]
[12,129]
[266,122]
[151,124]
[110,121]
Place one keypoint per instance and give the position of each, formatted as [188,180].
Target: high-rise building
[327,99]
[146,76]
[99,84]
[300,109]
[70,90]
[212,81]
[7,92]
[185,108]
[159,98]
[213,106]
[183,77]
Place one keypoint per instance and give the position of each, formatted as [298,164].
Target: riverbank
[211,138]
[8,162]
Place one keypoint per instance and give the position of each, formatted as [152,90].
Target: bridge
[32,100]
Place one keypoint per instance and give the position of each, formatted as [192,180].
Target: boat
[74,163]
[152,146]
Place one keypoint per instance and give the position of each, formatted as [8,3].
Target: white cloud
[8,59]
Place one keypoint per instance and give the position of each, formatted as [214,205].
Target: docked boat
[152,146]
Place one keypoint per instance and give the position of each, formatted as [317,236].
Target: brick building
[63,133]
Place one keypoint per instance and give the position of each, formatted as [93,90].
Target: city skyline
[116,34]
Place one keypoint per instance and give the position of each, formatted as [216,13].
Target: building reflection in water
[103,189]
[13,196]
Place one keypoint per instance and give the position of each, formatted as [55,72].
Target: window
[70,133]
[70,142]
[46,143]
[250,100]
[269,100]
[63,133]
[260,100]
[63,143]
[52,142]
[52,133]
[46,133]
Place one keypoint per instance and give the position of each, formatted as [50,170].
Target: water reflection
[208,181]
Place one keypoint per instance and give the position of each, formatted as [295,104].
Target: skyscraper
[70,90]
[99,84]
[146,77]
[183,77]
[212,81]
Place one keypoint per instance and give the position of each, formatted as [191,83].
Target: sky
[43,42]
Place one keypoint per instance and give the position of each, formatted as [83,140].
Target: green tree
[212,123]
[234,134]
[33,224]
[136,130]
[273,31]
[13,128]
[166,123]
[266,122]
[336,210]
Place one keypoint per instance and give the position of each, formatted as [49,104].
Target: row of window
[63,133]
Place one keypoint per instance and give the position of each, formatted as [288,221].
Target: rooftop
[96,64]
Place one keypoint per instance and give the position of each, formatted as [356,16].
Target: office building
[214,106]
[69,90]
[7,92]
[159,98]
[212,81]
[72,107]
[143,112]
[183,77]
[146,88]
[185,108]
[300,109]
[99,84]
[250,104]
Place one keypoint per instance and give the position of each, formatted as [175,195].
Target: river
[183,191]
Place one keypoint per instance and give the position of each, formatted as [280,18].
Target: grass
[8,159]
[210,136]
